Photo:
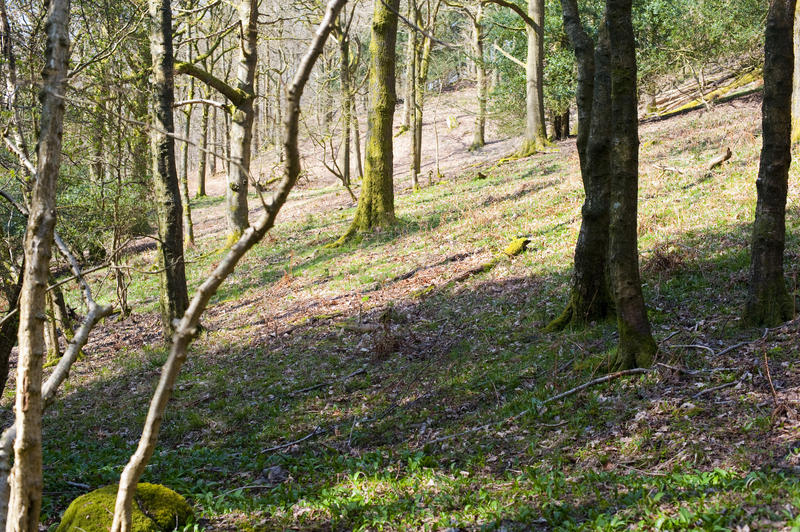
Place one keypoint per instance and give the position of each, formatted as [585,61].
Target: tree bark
[636,346]
[796,80]
[376,203]
[478,134]
[8,330]
[202,166]
[347,104]
[422,67]
[590,299]
[26,476]
[412,93]
[535,133]
[187,328]
[173,293]
[242,122]
[184,183]
[768,301]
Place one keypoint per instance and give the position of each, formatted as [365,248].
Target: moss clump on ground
[156,509]
[516,246]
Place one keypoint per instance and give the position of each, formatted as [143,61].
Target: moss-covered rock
[517,246]
[156,509]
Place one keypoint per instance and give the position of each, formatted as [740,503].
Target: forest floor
[390,384]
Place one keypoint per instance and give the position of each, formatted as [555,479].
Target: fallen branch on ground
[593,382]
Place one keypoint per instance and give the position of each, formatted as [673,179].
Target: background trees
[461,294]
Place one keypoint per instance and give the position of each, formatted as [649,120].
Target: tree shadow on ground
[364,395]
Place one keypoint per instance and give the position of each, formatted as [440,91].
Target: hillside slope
[395,384]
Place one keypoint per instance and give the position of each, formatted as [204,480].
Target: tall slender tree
[590,298]
[242,97]
[376,203]
[535,135]
[173,296]
[636,346]
[25,500]
[768,302]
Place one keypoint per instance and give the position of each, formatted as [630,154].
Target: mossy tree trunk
[796,80]
[25,481]
[535,133]
[376,203]
[590,297]
[173,294]
[636,345]
[478,134]
[768,302]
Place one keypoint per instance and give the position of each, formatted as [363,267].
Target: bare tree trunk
[768,302]
[357,140]
[478,136]
[184,183]
[636,345]
[202,167]
[187,328]
[214,141]
[376,204]
[242,122]
[535,134]
[590,298]
[173,293]
[26,476]
[409,70]
[8,331]
[347,105]
[796,80]
[414,49]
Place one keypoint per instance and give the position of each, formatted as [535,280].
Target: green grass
[636,454]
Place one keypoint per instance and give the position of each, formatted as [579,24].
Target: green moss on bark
[635,350]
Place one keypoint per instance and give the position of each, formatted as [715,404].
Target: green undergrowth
[370,369]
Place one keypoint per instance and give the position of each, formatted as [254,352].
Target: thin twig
[316,432]
[715,388]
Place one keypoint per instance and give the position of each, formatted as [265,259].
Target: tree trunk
[590,299]
[636,345]
[173,293]
[214,142]
[768,302]
[187,328]
[8,331]
[565,125]
[414,49]
[357,140]
[478,135]
[242,123]
[376,203]
[202,166]
[410,74]
[25,501]
[347,104]
[535,134]
[796,80]
[423,64]
[184,183]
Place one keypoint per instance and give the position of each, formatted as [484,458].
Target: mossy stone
[517,246]
[156,509]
